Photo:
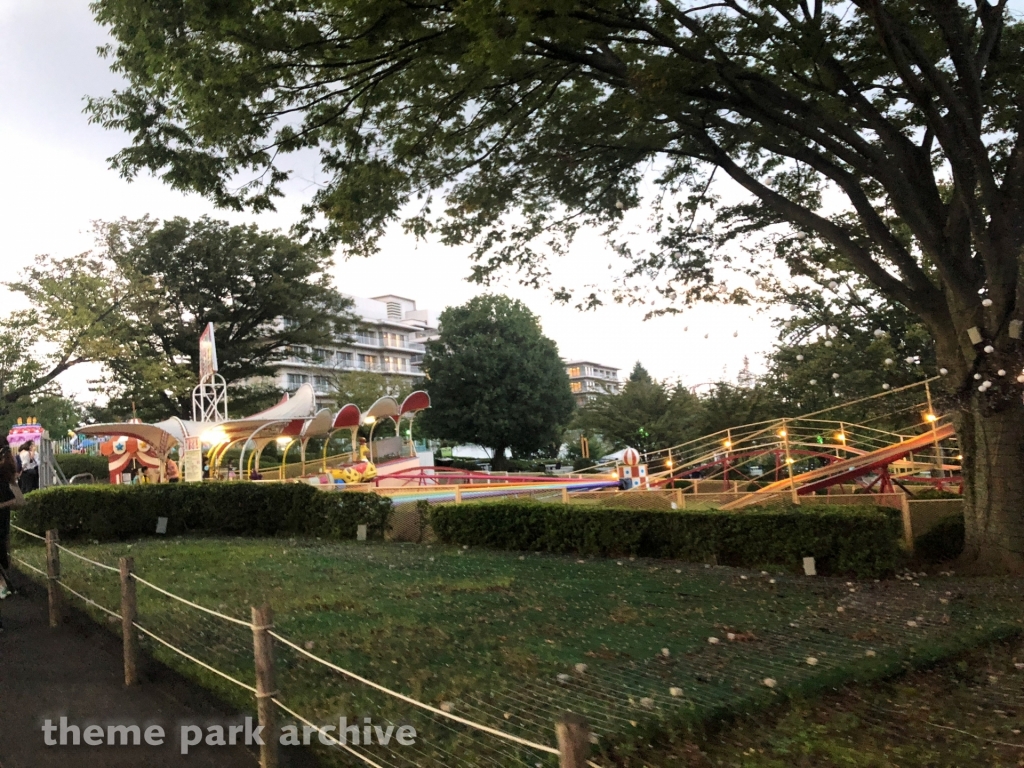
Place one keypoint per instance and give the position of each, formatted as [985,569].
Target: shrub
[935,493]
[944,542]
[72,464]
[118,512]
[862,541]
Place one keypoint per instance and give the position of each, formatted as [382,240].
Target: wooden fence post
[908,525]
[573,741]
[680,500]
[129,613]
[263,647]
[458,494]
[53,577]
[565,495]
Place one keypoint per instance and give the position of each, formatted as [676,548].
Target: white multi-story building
[587,380]
[389,339]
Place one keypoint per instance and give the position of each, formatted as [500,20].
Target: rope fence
[577,746]
[504,727]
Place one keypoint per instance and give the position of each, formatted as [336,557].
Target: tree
[495,379]
[59,415]
[366,387]
[848,344]
[639,373]
[647,415]
[75,318]
[886,132]
[267,295]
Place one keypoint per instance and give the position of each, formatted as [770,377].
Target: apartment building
[390,339]
[587,380]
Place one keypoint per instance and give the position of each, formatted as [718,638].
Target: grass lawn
[498,637]
[968,711]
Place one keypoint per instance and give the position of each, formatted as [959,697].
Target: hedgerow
[861,541]
[119,512]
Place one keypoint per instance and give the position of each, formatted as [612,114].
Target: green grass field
[497,637]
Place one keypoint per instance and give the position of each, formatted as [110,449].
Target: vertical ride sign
[207,354]
[193,460]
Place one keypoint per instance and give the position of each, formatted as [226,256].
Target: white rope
[210,611]
[86,559]
[333,741]
[31,567]
[415,702]
[28,533]
[194,660]
[86,599]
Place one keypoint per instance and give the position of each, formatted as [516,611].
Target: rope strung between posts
[31,567]
[415,702]
[332,741]
[189,603]
[87,600]
[193,659]
[62,548]
[28,533]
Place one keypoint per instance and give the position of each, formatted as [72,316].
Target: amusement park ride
[787,458]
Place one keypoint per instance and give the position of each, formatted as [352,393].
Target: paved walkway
[76,671]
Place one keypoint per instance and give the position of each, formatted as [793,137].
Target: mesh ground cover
[500,637]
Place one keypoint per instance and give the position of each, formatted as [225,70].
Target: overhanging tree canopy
[888,130]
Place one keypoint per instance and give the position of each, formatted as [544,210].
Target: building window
[321,354]
[322,384]
[574,372]
[367,337]
[393,339]
[368,362]
[295,380]
[575,386]
[345,358]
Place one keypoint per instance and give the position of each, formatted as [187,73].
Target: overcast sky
[56,181]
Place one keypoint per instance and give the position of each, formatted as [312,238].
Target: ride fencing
[846,629]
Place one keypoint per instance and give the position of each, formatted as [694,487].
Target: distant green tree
[495,379]
[268,296]
[363,388]
[646,415]
[59,415]
[848,344]
[639,373]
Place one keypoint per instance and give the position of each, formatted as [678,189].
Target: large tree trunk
[499,462]
[992,444]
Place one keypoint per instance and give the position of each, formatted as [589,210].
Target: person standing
[10,498]
[171,470]
[29,467]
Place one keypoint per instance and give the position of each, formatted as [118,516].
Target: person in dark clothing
[10,498]
[29,458]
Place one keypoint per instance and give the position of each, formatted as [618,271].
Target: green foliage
[76,317]
[119,512]
[365,387]
[645,414]
[495,380]
[843,540]
[77,463]
[944,542]
[934,493]
[57,414]
[268,295]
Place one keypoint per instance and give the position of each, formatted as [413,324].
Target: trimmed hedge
[76,463]
[119,512]
[863,541]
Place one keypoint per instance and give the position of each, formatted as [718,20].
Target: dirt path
[76,672]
